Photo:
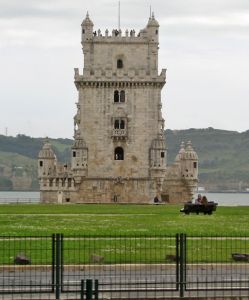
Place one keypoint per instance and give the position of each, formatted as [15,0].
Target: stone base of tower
[178,190]
[116,190]
[121,190]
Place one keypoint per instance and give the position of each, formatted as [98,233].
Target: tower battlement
[109,77]
[118,36]
[149,33]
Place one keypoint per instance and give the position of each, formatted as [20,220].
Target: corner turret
[152,29]
[188,162]
[46,161]
[79,158]
[87,29]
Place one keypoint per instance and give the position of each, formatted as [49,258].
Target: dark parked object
[21,259]
[199,208]
[240,257]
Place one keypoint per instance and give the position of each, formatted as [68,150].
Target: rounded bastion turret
[46,161]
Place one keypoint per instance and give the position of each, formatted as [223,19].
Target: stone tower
[119,153]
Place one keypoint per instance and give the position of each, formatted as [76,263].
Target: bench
[199,208]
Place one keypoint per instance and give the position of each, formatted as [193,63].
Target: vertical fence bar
[53,262]
[89,289]
[58,267]
[185,260]
[182,264]
[82,289]
[61,261]
[177,261]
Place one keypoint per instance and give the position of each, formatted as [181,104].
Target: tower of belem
[119,151]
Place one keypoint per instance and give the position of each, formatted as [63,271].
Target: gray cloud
[203,43]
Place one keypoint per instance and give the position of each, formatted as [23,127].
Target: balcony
[119,134]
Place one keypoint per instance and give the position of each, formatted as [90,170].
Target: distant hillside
[18,160]
[223,157]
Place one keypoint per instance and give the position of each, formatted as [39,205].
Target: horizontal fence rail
[129,267]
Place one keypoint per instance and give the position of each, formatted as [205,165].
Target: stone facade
[119,153]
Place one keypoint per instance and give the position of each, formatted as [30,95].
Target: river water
[223,199]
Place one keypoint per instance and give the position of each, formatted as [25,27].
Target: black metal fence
[128,267]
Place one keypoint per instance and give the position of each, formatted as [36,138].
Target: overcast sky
[204,44]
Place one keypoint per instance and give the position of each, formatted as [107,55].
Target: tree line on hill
[223,157]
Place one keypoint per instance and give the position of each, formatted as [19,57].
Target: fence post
[89,289]
[96,289]
[58,267]
[182,281]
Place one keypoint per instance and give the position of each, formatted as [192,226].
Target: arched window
[119,96]
[122,124]
[122,96]
[119,124]
[116,96]
[116,124]
[119,153]
[119,64]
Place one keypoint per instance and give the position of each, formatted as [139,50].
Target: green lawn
[121,233]
[41,219]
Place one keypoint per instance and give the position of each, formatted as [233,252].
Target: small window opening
[67,199]
[74,153]
[83,31]
[116,124]
[116,96]
[119,64]
[41,163]
[162,154]
[119,124]
[119,153]
[122,124]
[195,164]
[122,96]
[156,31]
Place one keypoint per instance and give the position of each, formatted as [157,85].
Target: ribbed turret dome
[79,142]
[87,21]
[46,151]
[189,152]
[181,152]
[152,21]
[159,144]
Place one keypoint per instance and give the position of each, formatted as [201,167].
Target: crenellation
[131,75]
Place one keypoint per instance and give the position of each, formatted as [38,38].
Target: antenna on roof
[150,11]
[119,15]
